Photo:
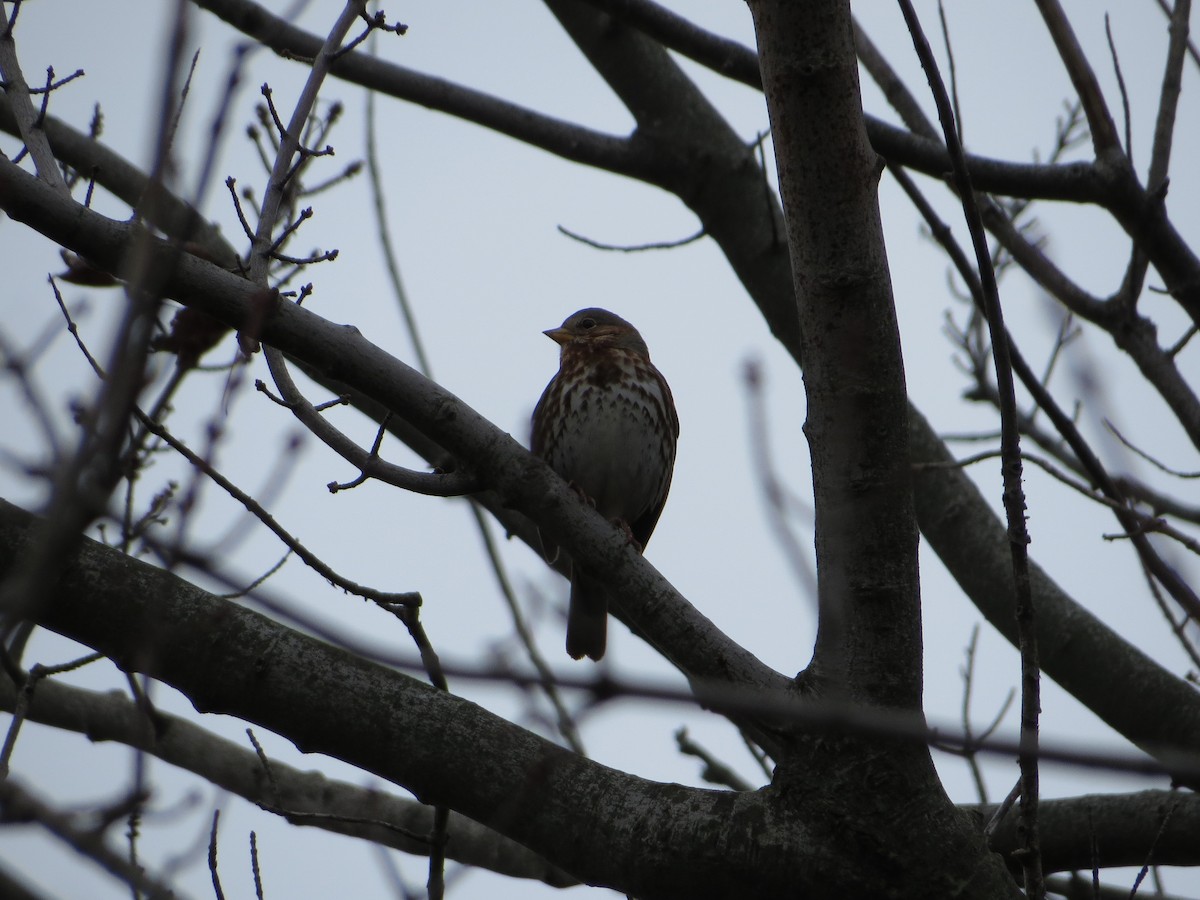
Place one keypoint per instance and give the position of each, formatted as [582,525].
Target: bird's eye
[588,323]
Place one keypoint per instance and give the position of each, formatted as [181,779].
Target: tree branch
[601,825]
[302,797]
[16,94]
[565,139]
[869,640]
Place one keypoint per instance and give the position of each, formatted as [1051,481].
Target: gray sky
[474,217]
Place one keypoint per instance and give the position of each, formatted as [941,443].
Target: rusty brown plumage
[607,424]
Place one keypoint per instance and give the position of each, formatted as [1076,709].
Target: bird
[606,423]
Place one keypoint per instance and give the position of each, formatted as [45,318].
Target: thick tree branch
[603,826]
[1124,825]
[917,148]
[302,797]
[1112,830]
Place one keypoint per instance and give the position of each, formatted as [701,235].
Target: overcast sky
[475,219]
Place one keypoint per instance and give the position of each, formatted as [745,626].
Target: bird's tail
[587,617]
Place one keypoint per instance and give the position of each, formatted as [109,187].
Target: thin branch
[255,868]
[774,491]
[1168,102]
[218,892]
[715,771]
[1192,50]
[1010,443]
[1116,61]
[554,135]
[1104,130]
[968,677]
[290,141]
[29,122]
[20,805]
[454,483]
[384,231]
[408,598]
[633,248]
[563,718]
[1178,587]
[83,482]
[1162,467]
[953,71]
[21,707]
[281,172]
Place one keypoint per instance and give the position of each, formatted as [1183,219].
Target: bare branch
[1014,494]
[20,805]
[29,122]
[301,796]
[1104,130]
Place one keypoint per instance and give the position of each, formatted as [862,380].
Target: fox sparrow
[607,424]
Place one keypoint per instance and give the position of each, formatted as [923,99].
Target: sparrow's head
[598,329]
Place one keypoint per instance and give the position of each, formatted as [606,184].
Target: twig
[563,718]
[25,697]
[255,868]
[384,231]
[566,724]
[1178,628]
[894,89]
[1116,61]
[84,482]
[1168,103]
[1090,464]
[408,598]
[1135,273]
[715,771]
[212,856]
[633,248]
[1167,813]
[436,883]
[953,70]
[968,677]
[28,121]
[1002,810]
[1191,48]
[1162,467]
[73,329]
[16,366]
[19,805]
[451,484]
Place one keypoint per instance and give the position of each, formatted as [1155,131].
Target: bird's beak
[558,335]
